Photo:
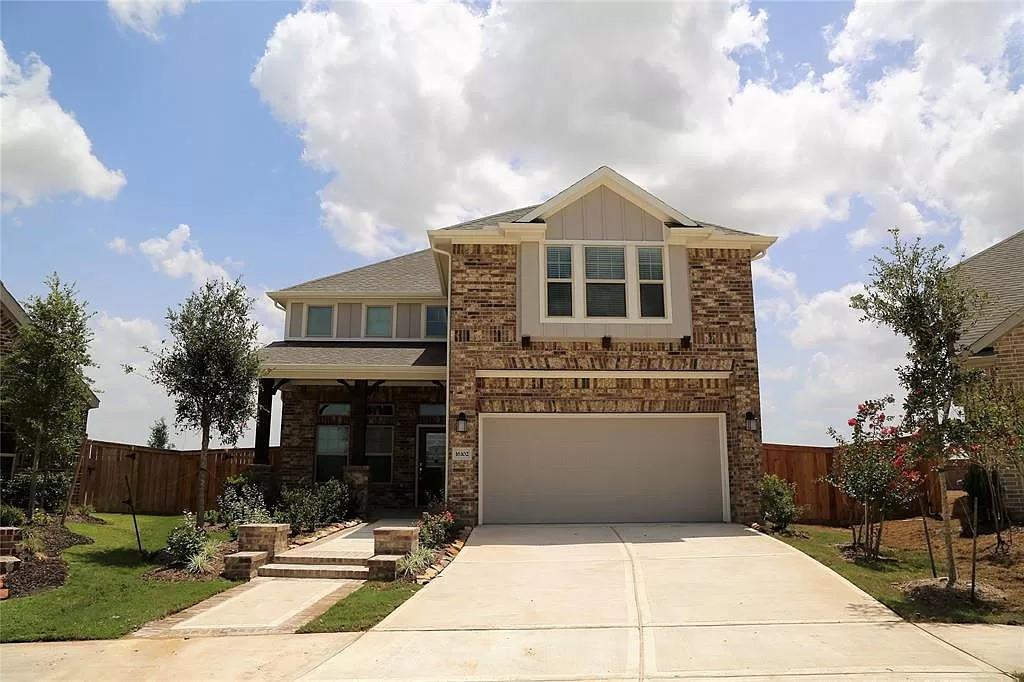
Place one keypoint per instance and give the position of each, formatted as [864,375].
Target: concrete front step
[289,570]
[354,559]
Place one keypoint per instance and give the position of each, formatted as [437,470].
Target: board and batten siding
[407,323]
[349,321]
[604,214]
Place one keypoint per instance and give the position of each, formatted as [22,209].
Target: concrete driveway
[641,601]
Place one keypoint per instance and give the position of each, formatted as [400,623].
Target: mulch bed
[175,573]
[46,569]
[932,592]
[444,557]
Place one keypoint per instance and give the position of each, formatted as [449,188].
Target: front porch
[379,422]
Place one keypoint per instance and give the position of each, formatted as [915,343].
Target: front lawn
[106,594]
[364,608]
[879,578]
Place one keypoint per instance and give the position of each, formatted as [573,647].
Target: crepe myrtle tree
[209,367]
[45,391]
[875,468]
[913,291]
[160,435]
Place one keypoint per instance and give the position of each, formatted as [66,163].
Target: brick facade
[484,335]
[1009,367]
[299,419]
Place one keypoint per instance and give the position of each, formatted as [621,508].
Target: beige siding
[604,214]
[295,320]
[349,325]
[408,321]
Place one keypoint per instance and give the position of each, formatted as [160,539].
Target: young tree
[210,367]
[160,435]
[913,291]
[45,389]
[874,468]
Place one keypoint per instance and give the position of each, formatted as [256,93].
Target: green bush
[306,507]
[51,489]
[242,502]
[202,561]
[415,563]
[777,502]
[185,540]
[11,516]
[436,528]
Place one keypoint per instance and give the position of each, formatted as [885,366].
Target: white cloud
[119,245]
[430,113]
[177,255]
[787,373]
[44,151]
[144,15]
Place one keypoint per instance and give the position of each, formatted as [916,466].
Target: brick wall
[1009,367]
[299,418]
[485,336]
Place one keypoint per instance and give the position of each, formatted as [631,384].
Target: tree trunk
[878,538]
[32,484]
[947,531]
[201,478]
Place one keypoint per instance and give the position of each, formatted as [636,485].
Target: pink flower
[852,422]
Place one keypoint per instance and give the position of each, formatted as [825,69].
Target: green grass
[364,608]
[106,595]
[877,578]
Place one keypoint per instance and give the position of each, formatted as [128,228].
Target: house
[995,342]
[12,318]
[589,359]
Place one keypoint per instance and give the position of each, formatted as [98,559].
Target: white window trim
[579,282]
[391,455]
[663,282]
[394,319]
[545,280]
[423,321]
[305,319]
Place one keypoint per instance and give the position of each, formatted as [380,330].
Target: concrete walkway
[636,602]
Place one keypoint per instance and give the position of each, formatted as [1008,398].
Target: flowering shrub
[242,502]
[874,467]
[436,528]
[185,540]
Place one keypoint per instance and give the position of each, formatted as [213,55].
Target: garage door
[601,468]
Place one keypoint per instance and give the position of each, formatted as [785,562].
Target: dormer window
[606,281]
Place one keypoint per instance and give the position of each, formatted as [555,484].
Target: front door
[430,465]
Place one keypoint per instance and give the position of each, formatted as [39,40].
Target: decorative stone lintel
[399,540]
[271,538]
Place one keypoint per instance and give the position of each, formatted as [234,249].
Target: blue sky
[295,142]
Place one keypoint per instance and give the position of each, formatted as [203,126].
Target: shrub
[242,502]
[202,561]
[415,563]
[306,507]
[436,528]
[11,516]
[185,540]
[51,489]
[777,505]
[33,546]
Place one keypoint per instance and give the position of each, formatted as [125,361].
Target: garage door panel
[586,469]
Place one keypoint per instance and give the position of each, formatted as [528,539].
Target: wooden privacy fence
[162,481]
[805,465]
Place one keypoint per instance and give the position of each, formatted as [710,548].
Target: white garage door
[540,468]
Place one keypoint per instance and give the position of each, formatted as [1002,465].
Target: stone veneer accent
[485,335]
[10,536]
[299,418]
[1009,367]
[396,540]
[271,538]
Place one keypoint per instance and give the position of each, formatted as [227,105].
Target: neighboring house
[12,317]
[995,342]
[592,358]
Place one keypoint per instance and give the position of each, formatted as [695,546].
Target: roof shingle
[998,271]
[364,354]
[414,273]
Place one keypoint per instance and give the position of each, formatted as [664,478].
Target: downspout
[447,361]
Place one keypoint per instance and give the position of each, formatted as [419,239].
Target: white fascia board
[343,297]
[1002,328]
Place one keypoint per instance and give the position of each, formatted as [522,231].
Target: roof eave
[995,333]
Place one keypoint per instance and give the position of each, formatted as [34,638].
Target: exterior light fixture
[750,421]
[460,422]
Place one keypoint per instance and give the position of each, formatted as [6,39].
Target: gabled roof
[999,272]
[491,220]
[414,274]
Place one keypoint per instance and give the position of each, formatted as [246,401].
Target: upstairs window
[378,320]
[652,281]
[436,324]
[559,281]
[605,270]
[320,320]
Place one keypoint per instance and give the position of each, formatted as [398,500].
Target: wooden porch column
[264,404]
[357,442]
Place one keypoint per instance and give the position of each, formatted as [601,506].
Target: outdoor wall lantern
[750,421]
[460,422]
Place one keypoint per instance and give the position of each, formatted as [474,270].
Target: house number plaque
[462,454]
